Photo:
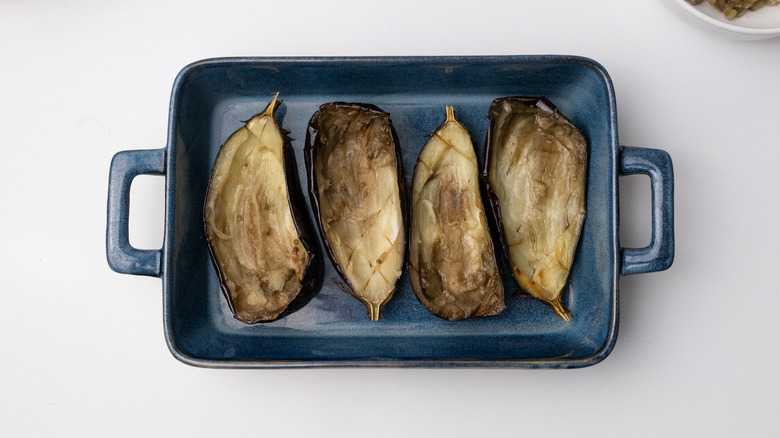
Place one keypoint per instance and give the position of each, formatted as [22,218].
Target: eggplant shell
[388,262]
[452,263]
[310,277]
[545,211]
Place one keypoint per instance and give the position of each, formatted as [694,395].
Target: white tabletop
[82,347]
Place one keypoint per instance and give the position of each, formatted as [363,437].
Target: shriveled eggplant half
[452,263]
[356,186]
[535,167]
[257,229]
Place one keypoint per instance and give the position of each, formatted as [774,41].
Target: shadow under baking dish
[211,99]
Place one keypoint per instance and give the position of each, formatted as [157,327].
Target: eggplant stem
[373,311]
[450,114]
[269,110]
[559,309]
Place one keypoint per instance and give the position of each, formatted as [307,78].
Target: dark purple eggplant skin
[310,155]
[312,277]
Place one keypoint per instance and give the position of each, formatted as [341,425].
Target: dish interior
[212,98]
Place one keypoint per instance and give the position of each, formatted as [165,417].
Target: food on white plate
[732,9]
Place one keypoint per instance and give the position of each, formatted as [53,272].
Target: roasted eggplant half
[452,263]
[257,230]
[535,167]
[356,186]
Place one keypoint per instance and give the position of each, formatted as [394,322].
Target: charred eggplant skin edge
[312,276]
[494,209]
[310,156]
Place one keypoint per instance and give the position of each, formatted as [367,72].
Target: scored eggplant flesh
[536,163]
[452,265]
[357,189]
[264,262]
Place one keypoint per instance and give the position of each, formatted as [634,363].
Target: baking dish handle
[659,254]
[122,257]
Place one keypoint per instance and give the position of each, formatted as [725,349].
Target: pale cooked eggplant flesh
[537,162]
[249,223]
[452,264]
[358,190]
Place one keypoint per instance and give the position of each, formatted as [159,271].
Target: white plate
[753,25]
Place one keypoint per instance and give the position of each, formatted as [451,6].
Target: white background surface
[82,349]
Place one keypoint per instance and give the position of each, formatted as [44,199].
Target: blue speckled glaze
[211,99]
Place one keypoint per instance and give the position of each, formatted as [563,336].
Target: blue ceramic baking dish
[211,98]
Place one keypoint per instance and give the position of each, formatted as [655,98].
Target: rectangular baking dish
[212,98]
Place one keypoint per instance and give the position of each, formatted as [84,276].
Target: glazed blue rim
[628,161]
